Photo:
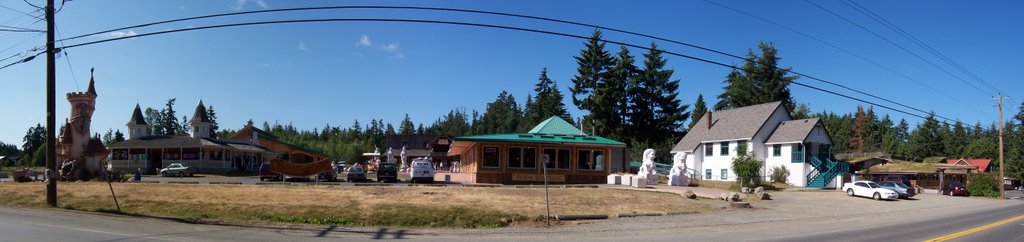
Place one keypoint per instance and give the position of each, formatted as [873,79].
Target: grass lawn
[348,206]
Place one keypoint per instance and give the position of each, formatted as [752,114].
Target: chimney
[709,120]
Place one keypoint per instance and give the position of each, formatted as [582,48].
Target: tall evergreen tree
[699,109]
[502,116]
[856,142]
[802,111]
[546,103]
[118,136]
[594,62]
[406,127]
[169,121]
[656,115]
[155,119]
[926,139]
[759,80]
[610,116]
[214,127]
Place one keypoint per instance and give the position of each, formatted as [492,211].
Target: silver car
[901,189]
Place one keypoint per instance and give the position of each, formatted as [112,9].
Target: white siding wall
[797,171]
[717,162]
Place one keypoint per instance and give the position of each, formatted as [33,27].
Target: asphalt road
[24,224]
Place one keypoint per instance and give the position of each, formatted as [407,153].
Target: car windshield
[355,169]
[872,185]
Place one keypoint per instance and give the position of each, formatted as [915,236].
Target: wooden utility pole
[51,122]
[999,99]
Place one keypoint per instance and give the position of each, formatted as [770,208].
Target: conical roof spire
[92,82]
[200,114]
[137,117]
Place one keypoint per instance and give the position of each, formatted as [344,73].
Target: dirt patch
[354,206]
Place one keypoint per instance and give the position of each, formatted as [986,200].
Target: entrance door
[155,161]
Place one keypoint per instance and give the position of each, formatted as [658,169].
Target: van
[422,170]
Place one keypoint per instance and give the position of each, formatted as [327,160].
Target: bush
[747,169]
[983,185]
[780,174]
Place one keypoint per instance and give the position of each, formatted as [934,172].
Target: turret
[137,125]
[200,122]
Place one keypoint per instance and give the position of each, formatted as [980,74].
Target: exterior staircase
[825,170]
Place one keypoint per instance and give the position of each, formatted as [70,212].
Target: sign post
[547,198]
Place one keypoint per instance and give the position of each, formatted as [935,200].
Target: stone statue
[678,176]
[405,166]
[389,158]
[647,167]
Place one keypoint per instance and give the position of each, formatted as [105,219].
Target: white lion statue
[647,167]
[677,176]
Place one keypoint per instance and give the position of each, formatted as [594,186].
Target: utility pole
[999,99]
[51,123]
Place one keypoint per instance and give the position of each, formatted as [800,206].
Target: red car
[954,189]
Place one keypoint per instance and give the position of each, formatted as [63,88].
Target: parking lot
[403,179]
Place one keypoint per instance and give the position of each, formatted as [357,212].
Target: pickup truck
[178,169]
[869,189]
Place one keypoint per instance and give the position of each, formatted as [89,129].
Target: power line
[476,25]
[68,59]
[519,16]
[897,45]
[19,29]
[15,10]
[918,42]
[845,51]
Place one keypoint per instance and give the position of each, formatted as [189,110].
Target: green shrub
[983,185]
[780,174]
[747,169]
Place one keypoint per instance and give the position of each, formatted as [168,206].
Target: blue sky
[313,74]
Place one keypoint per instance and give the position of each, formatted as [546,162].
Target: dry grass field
[352,206]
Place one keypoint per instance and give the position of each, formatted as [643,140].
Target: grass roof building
[572,156]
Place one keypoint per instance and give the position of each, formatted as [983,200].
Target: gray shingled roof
[137,117]
[732,124]
[165,141]
[793,131]
[200,114]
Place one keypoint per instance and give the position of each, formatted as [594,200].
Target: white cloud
[240,4]
[364,41]
[116,34]
[302,46]
[393,49]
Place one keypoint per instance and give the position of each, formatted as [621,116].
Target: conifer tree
[699,109]
[502,116]
[546,103]
[214,127]
[656,114]
[758,81]
[407,126]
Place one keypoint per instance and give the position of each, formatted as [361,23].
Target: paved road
[22,224]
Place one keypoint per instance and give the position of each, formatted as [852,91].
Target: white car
[422,170]
[869,189]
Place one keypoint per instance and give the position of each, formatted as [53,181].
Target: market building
[573,156]
[198,150]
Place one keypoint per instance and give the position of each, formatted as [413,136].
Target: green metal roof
[541,138]
[555,125]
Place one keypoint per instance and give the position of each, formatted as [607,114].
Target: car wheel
[877,196]
[849,192]
[163,173]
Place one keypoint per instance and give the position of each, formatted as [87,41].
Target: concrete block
[627,180]
[614,179]
[639,182]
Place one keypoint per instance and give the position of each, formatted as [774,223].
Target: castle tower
[200,122]
[137,125]
[81,156]
[76,131]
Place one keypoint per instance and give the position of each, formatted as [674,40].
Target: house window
[557,158]
[707,174]
[491,157]
[590,160]
[741,147]
[777,150]
[709,149]
[798,153]
[725,174]
[519,157]
[724,150]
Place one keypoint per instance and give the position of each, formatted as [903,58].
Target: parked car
[178,169]
[355,174]
[329,176]
[387,172]
[901,189]
[869,189]
[896,178]
[266,174]
[340,166]
[422,170]
[954,189]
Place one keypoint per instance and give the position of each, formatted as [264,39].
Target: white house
[767,132]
